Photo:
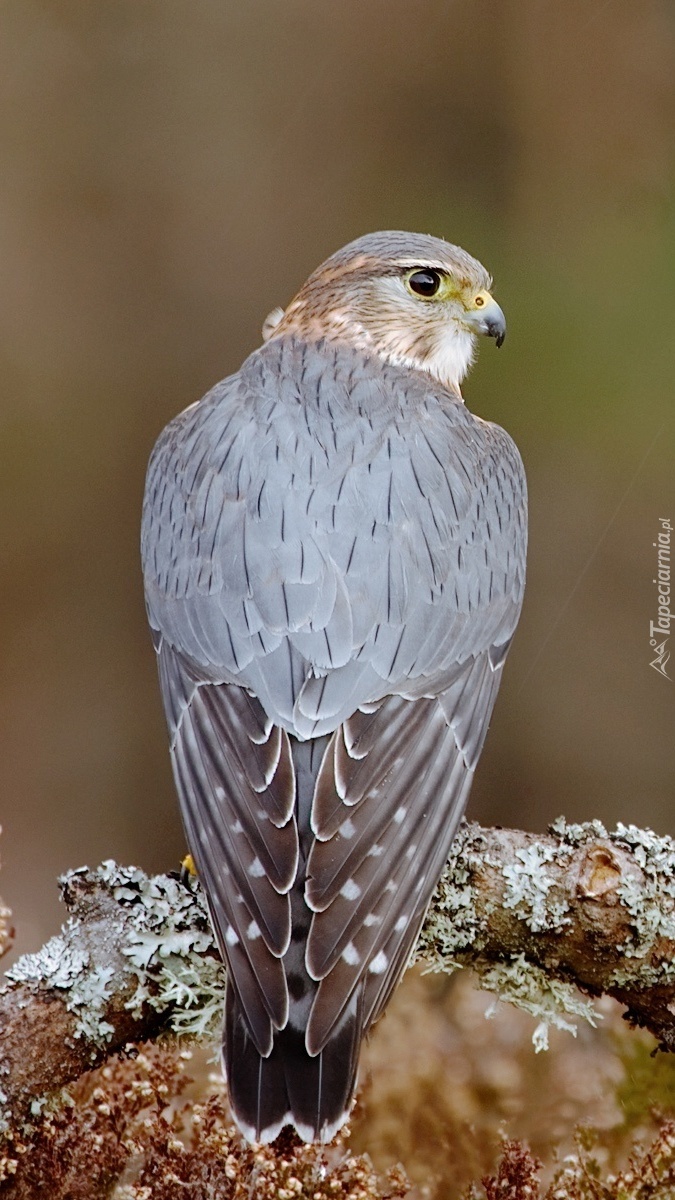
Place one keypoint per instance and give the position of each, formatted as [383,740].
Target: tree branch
[535,916]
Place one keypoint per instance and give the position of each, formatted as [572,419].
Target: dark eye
[424,283]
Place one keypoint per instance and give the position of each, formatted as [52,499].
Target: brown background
[169,172]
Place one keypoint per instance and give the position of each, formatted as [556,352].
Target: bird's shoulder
[319,512]
[316,407]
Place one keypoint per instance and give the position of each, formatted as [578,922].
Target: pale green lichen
[454,931]
[171,950]
[172,959]
[172,963]
[648,897]
[551,1001]
[652,904]
[86,988]
[575,834]
[452,924]
[527,889]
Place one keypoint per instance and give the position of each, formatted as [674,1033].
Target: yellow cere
[481,300]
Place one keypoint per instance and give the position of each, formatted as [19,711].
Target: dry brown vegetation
[452,1106]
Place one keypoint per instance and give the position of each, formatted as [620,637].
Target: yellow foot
[188,871]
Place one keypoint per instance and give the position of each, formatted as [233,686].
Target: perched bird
[334,559]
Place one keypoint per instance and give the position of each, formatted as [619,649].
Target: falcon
[334,559]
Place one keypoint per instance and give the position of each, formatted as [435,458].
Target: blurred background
[169,173]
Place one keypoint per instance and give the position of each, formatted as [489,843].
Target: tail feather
[289,1087]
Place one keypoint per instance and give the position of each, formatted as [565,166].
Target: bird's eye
[424,283]
[479,301]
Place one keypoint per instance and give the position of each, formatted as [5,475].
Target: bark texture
[536,917]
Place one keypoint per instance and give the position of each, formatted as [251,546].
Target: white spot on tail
[237,827]
[379,964]
[401,923]
[231,936]
[256,869]
[375,850]
[253,931]
[350,890]
[372,919]
[400,815]
[351,955]
[411,850]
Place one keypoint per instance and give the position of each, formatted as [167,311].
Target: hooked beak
[490,321]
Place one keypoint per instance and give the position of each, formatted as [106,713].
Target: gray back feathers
[334,557]
[322,513]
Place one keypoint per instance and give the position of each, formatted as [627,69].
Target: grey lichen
[170,961]
[172,951]
[86,988]
[528,886]
[551,1001]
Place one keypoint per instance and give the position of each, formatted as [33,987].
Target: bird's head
[411,299]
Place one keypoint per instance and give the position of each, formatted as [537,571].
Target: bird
[334,554]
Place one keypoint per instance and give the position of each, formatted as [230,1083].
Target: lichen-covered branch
[537,917]
[136,956]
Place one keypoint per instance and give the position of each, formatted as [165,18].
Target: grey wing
[235,780]
[389,798]
[355,565]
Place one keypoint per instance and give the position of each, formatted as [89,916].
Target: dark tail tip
[289,1087]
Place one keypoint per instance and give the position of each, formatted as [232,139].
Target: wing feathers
[259,976]
[468,704]
[407,769]
[236,781]
[371,944]
[347,775]
[353,881]
[238,867]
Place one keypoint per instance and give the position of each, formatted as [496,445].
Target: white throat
[444,352]
[448,359]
